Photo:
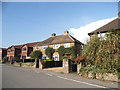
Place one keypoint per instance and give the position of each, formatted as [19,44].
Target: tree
[49,52]
[36,54]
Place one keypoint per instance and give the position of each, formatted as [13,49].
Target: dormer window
[56,46]
[44,47]
[67,45]
[24,49]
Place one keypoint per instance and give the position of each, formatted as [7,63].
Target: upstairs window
[56,46]
[44,47]
[37,48]
[8,51]
[12,50]
[66,45]
[24,49]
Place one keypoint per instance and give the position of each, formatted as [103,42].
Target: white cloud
[82,33]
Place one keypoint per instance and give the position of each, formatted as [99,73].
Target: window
[66,45]
[0,51]
[56,46]
[56,57]
[44,57]
[24,49]
[12,50]
[37,48]
[44,47]
[8,51]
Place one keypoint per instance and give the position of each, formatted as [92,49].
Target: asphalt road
[18,77]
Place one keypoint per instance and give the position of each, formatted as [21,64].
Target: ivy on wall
[71,50]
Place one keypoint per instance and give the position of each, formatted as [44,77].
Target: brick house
[55,42]
[26,49]
[3,53]
[113,25]
[14,52]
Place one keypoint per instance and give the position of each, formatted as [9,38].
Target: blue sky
[24,22]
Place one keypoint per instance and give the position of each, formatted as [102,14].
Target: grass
[48,60]
[25,64]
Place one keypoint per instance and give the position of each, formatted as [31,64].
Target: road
[19,77]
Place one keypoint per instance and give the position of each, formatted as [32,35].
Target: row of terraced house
[55,41]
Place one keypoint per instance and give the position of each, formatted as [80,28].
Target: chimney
[66,32]
[119,14]
[53,35]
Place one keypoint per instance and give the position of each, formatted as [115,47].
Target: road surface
[19,77]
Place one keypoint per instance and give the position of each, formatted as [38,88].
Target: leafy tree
[36,54]
[104,53]
[49,52]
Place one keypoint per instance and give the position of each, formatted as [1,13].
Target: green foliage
[104,53]
[71,50]
[5,59]
[36,54]
[49,52]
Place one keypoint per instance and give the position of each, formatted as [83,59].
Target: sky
[24,22]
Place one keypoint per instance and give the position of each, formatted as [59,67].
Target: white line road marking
[49,74]
[82,82]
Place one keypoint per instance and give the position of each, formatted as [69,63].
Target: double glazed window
[37,48]
[56,46]
[44,47]
[66,45]
[24,49]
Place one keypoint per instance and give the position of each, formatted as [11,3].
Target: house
[3,53]
[26,49]
[113,25]
[55,41]
[14,52]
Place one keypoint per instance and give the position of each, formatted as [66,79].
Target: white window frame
[37,47]
[67,45]
[44,47]
[56,57]
[56,46]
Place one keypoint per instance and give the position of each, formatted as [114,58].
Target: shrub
[36,54]
[49,52]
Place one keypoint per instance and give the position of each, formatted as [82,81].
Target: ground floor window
[56,57]
[44,57]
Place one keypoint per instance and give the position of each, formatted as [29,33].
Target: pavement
[19,77]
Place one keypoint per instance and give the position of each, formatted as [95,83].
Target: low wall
[104,76]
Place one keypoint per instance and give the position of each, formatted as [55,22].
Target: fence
[50,64]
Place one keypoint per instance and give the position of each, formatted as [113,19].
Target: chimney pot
[66,32]
[53,35]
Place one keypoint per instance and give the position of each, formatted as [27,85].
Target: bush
[104,53]
[49,52]
[36,54]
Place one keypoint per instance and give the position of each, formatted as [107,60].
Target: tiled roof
[115,24]
[58,39]
[31,44]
